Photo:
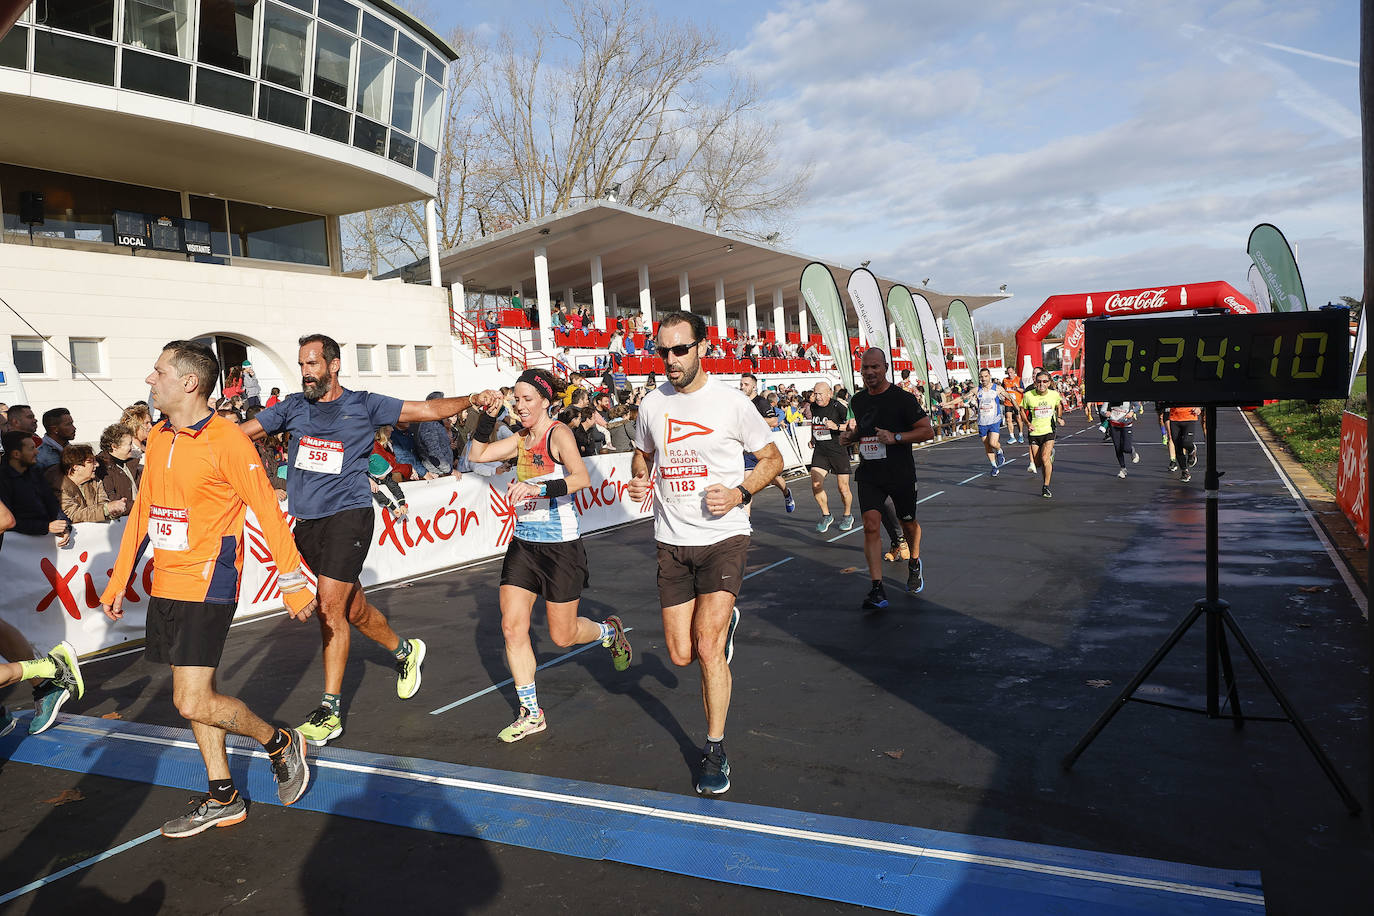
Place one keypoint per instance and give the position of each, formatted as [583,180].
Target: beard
[314,389]
[688,375]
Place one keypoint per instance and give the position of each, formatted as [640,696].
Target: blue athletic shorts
[985,428]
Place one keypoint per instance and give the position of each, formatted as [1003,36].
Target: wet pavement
[950,711]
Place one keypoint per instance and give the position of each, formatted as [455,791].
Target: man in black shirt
[886,422]
[829,456]
[750,385]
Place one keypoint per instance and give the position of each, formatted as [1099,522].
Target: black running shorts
[1041,440]
[187,633]
[831,462]
[873,493]
[686,572]
[555,570]
[336,546]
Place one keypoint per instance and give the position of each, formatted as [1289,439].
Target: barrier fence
[1353,473]
[53,593]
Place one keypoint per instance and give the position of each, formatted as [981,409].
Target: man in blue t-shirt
[330,495]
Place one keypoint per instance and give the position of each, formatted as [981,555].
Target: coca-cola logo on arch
[1040,322]
[1075,335]
[1147,300]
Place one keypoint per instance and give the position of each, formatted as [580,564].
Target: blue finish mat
[884,866]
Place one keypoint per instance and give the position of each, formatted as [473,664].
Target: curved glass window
[333,61]
[431,113]
[14,49]
[91,17]
[378,32]
[374,83]
[274,234]
[329,122]
[225,92]
[159,25]
[284,35]
[435,67]
[155,75]
[410,51]
[226,34]
[405,105]
[75,58]
[344,15]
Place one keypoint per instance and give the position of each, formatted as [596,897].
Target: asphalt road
[951,710]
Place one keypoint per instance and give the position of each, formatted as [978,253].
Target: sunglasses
[679,350]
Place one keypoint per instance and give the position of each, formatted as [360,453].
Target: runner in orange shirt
[1182,427]
[201,476]
[1011,406]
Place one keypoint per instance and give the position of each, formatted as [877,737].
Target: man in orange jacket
[201,476]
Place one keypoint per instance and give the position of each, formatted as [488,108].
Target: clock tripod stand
[1218,620]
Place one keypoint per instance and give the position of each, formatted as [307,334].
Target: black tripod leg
[1229,674]
[1131,688]
[1352,805]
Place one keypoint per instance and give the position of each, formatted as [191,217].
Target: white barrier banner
[53,594]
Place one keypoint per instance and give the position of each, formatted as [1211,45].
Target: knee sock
[528,699]
[38,667]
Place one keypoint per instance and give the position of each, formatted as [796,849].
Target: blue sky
[1055,147]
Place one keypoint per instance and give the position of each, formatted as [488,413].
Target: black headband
[541,384]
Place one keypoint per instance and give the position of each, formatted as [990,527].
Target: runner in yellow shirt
[1042,410]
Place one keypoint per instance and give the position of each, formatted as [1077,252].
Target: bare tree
[606,98]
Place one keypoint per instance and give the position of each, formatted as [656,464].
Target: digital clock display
[1218,359]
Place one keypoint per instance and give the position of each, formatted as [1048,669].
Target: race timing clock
[1218,359]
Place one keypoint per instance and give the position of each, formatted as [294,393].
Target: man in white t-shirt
[693,432]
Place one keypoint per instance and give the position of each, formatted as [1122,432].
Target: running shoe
[914,582]
[68,675]
[1135,457]
[1121,473]
[621,653]
[1186,476]
[730,636]
[846,522]
[7,722]
[877,598]
[1192,458]
[1173,466]
[47,700]
[524,726]
[903,550]
[1030,469]
[1045,492]
[997,470]
[1001,458]
[788,501]
[408,670]
[1164,439]
[206,813]
[715,774]
[289,769]
[824,524]
[323,726]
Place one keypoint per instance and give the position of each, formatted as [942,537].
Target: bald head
[874,356]
[823,393]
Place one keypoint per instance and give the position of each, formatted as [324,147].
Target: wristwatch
[543,490]
[744,494]
[899,437]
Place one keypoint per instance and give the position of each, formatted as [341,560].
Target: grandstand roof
[626,238]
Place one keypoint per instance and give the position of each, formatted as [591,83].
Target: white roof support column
[751,312]
[598,295]
[779,318]
[432,239]
[803,320]
[646,302]
[541,286]
[720,307]
[459,297]
[684,293]
[568,298]
[892,338]
[615,306]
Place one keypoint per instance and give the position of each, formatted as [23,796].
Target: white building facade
[178,168]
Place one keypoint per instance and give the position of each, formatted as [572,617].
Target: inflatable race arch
[1135,302]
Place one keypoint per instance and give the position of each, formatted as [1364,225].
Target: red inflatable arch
[1055,309]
